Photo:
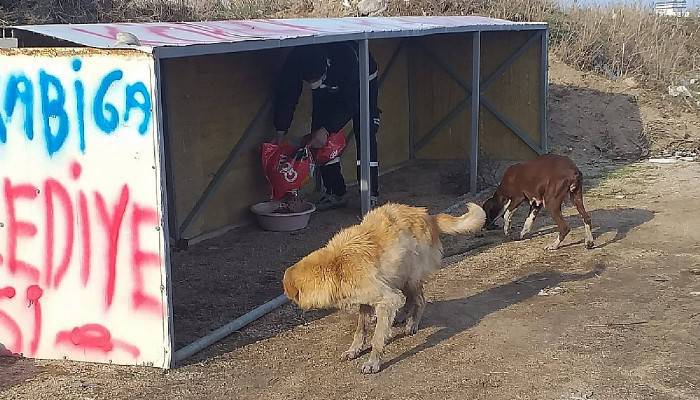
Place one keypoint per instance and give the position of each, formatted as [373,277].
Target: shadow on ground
[458,315]
[620,221]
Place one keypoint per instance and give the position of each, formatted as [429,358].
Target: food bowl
[270,220]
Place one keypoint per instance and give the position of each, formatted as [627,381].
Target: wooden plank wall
[211,100]
[515,94]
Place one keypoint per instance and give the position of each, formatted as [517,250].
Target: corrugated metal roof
[172,39]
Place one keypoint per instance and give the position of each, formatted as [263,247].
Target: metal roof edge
[144,49]
[242,37]
[266,44]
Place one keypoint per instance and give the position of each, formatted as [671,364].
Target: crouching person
[332,71]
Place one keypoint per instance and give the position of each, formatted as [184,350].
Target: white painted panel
[82,272]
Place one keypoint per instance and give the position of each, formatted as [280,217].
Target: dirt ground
[598,122]
[210,288]
[506,319]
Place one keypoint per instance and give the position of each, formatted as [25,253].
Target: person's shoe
[330,202]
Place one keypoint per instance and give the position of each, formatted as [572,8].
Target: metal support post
[164,166]
[411,76]
[544,85]
[474,142]
[364,127]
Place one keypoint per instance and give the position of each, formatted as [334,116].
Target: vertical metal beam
[474,142]
[364,127]
[163,166]
[410,79]
[170,175]
[382,77]
[544,89]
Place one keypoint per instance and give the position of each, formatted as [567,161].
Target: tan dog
[380,264]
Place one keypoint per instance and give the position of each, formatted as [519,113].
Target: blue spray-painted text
[62,113]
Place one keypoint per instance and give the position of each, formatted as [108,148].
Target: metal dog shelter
[450,88]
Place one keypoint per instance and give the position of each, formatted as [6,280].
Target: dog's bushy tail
[472,221]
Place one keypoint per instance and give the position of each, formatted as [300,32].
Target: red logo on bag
[286,168]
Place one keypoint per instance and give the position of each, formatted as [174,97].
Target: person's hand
[319,138]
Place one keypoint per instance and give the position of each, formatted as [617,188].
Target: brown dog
[380,264]
[543,182]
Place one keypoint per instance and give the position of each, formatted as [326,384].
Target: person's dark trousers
[332,175]
[333,180]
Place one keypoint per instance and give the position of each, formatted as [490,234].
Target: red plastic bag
[334,147]
[286,168]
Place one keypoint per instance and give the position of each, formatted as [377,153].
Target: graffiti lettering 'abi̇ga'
[46,94]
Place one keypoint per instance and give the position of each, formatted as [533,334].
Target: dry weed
[631,41]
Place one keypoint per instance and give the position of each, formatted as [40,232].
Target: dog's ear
[491,208]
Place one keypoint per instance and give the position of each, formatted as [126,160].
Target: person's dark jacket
[337,100]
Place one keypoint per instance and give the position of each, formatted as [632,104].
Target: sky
[691,3]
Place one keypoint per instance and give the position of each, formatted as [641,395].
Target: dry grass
[90,11]
[617,41]
[631,41]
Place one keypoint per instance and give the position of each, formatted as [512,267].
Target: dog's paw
[371,367]
[590,245]
[411,329]
[350,354]
[551,246]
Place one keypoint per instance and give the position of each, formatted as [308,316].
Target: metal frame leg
[166,183]
[474,142]
[382,77]
[411,75]
[364,127]
[544,86]
[167,149]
